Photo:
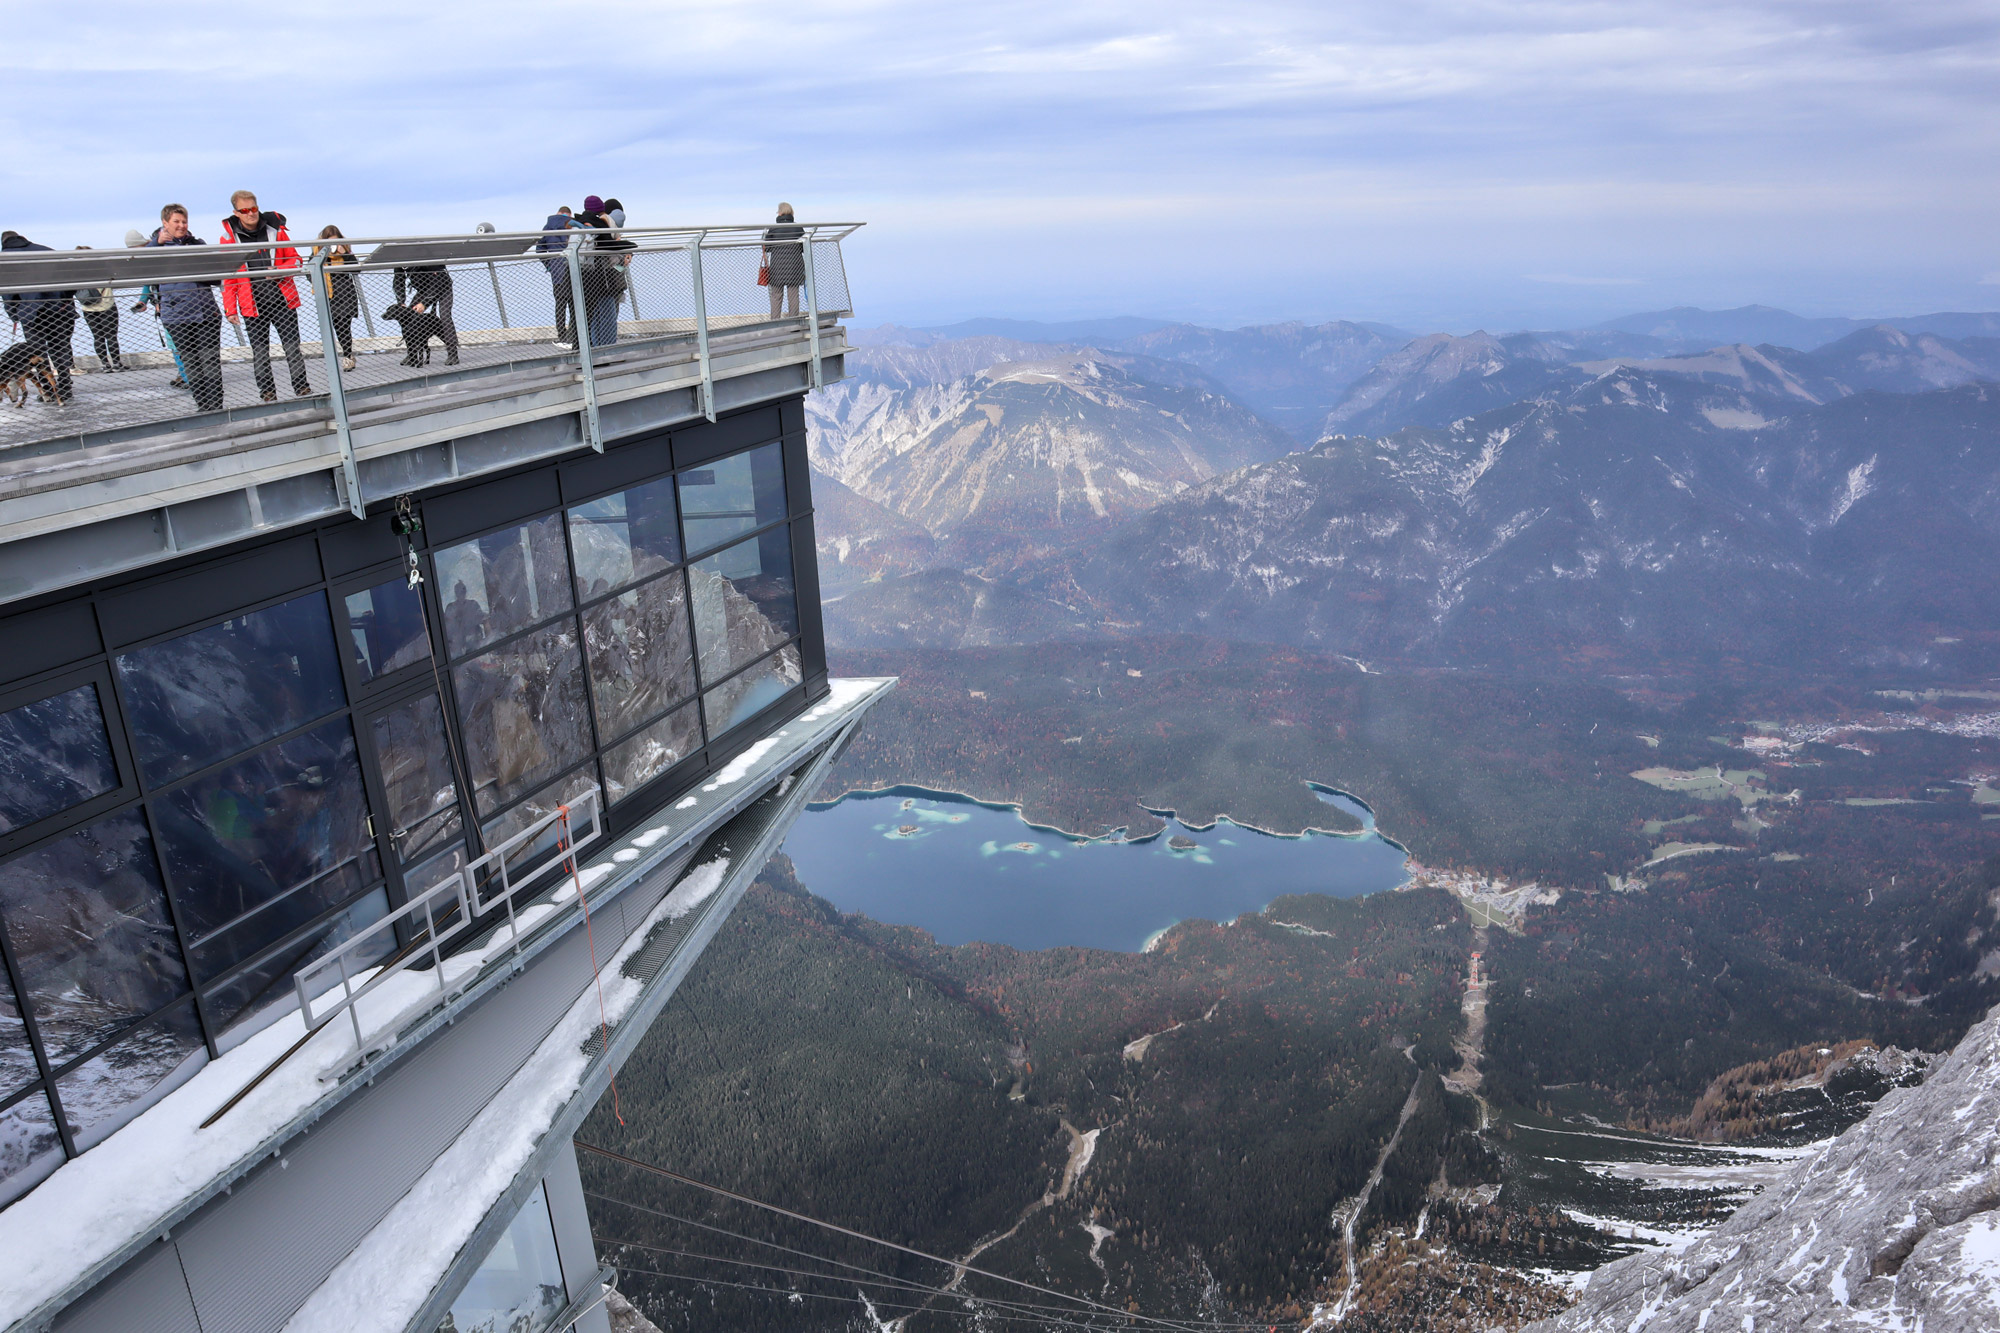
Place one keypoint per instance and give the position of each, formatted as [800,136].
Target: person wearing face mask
[188,313]
[263,303]
[785,260]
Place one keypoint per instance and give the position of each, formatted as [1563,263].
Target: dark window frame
[338,590]
[317,559]
[694,657]
[690,554]
[111,708]
[213,1029]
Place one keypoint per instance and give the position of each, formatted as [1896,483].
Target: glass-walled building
[212,774]
[375,762]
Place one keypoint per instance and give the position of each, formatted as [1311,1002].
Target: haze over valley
[1667,654]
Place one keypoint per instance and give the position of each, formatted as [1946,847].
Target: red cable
[603,1026]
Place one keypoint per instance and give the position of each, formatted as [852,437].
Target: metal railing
[440,915]
[341,326]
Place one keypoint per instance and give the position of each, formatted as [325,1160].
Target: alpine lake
[966,870]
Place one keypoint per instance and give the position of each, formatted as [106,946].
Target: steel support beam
[701,331]
[812,311]
[336,392]
[580,318]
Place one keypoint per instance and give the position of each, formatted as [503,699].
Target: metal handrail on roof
[448,910]
[359,370]
[23,271]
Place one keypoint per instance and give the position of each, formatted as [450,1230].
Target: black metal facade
[213,771]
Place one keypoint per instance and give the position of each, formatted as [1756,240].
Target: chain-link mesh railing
[100,340]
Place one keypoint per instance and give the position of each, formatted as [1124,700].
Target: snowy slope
[1894,1225]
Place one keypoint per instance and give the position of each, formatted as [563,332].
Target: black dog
[19,365]
[419,327]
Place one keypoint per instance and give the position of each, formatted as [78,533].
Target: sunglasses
[249,212]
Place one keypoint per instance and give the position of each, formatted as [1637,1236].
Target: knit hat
[135,238]
[592,204]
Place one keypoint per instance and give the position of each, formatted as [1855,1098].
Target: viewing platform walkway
[132,469]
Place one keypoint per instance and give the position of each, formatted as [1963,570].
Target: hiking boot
[347,363]
[270,395]
[177,383]
[451,360]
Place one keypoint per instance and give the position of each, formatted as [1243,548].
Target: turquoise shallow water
[967,871]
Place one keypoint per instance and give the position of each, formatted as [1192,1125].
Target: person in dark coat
[785,260]
[187,312]
[47,319]
[427,290]
[100,311]
[552,245]
[263,301]
[605,273]
[342,300]
[134,238]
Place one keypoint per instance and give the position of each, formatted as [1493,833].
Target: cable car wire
[718,1190]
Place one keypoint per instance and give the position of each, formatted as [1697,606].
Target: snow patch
[384,1279]
[739,768]
[1858,485]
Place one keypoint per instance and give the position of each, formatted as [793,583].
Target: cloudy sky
[1431,163]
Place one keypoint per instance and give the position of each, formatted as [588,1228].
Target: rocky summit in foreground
[1894,1225]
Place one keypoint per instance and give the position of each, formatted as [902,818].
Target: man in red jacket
[263,302]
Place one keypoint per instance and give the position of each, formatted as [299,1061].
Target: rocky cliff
[1894,1225]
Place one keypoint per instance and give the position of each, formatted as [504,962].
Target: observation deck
[133,470]
[388,721]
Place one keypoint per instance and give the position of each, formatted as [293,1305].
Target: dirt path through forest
[1471,1047]
[1355,1207]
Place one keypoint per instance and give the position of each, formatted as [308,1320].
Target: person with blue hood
[47,319]
[188,312]
[552,245]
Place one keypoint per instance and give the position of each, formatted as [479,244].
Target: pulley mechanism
[407,524]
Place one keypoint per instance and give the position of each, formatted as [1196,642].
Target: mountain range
[1691,510]
[1005,461]
[1528,595]
[1631,520]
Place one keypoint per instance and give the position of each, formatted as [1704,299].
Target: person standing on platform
[47,320]
[552,245]
[604,273]
[134,238]
[188,313]
[343,301]
[785,260]
[427,288]
[100,311]
[263,303]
